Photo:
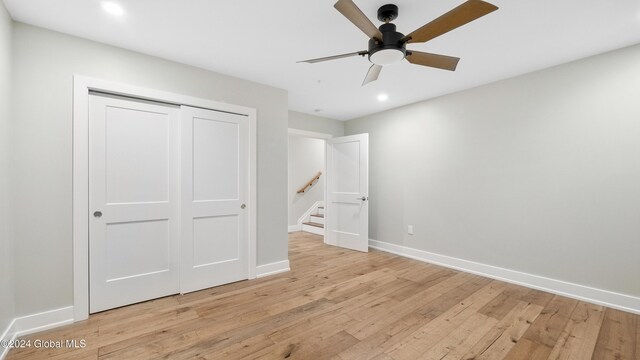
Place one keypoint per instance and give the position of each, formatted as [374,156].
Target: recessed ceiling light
[383,97]
[113,8]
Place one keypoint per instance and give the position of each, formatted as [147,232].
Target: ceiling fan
[387,46]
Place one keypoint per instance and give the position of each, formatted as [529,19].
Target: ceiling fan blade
[433,60]
[372,74]
[463,14]
[352,12]
[311,61]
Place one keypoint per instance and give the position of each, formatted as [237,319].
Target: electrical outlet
[410,229]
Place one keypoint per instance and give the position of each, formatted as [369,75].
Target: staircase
[315,222]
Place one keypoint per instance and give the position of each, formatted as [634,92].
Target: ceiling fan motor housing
[390,49]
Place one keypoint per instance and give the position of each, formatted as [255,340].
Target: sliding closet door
[133,201]
[215,153]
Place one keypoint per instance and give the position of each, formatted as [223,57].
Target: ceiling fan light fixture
[388,46]
[387,56]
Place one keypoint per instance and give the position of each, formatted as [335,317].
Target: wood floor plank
[164,347]
[537,297]
[617,336]
[637,338]
[530,350]
[515,324]
[429,335]
[422,283]
[111,333]
[578,339]
[346,305]
[490,344]
[399,329]
[459,341]
[383,300]
[552,321]
[184,334]
[82,354]
[326,341]
[242,349]
[367,327]
[503,303]
[544,333]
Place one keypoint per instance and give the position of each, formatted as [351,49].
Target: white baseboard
[580,292]
[294,228]
[30,324]
[272,269]
[8,336]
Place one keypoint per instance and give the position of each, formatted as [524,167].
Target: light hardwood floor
[341,304]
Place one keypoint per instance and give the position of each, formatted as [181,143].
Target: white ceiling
[261,41]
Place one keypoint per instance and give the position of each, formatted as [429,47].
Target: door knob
[97,214]
[243,206]
[364,198]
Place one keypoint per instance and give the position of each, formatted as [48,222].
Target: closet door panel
[134,201]
[214,187]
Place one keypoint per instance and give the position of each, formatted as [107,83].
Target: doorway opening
[307,181]
[341,199]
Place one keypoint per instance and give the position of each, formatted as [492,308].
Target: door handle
[97,214]
[243,206]
[364,198]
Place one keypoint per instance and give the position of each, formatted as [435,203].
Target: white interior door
[133,200]
[347,205]
[215,183]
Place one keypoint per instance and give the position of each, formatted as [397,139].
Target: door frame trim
[82,86]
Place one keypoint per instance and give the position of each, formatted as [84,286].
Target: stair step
[317,218]
[314,224]
[313,228]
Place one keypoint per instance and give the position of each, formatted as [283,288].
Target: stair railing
[310,183]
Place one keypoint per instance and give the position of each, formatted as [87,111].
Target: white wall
[539,173]
[314,123]
[44,63]
[306,158]
[6,239]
